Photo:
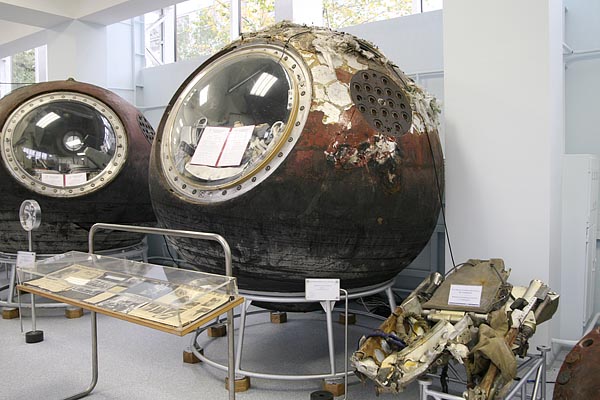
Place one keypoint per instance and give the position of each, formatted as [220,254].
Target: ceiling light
[264,82]
[47,119]
[203,95]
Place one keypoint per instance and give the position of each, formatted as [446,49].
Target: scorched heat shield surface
[309,152]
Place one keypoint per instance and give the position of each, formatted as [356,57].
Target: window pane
[153,22]
[251,90]
[341,13]
[203,27]
[23,68]
[257,14]
[431,5]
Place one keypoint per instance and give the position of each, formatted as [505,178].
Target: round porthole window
[64,144]
[73,141]
[234,123]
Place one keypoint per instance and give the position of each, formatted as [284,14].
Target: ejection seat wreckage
[472,316]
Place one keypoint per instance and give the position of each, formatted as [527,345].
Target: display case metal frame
[93,310]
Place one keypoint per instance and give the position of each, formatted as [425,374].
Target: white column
[78,50]
[504,134]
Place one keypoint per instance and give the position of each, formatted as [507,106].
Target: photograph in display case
[134,293]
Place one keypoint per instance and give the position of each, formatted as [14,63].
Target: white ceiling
[22,18]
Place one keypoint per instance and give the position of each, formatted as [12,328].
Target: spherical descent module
[309,151]
[82,153]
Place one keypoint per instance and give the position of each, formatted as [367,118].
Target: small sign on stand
[322,289]
[327,291]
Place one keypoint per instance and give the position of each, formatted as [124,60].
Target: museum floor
[136,362]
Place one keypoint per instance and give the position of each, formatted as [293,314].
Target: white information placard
[465,295]
[322,289]
[53,179]
[210,146]
[25,259]
[235,146]
[75,179]
[222,147]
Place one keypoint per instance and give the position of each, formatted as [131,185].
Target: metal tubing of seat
[544,351]
[94,361]
[536,385]
[523,382]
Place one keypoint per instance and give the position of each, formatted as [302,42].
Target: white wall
[120,58]
[504,123]
[158,85]
[78,50]
[414,43]
[582,23]
[582,33]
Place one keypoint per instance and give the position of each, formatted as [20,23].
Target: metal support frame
[536,363]
[291,298]
[160,231]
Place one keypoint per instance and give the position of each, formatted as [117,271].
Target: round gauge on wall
[82,152]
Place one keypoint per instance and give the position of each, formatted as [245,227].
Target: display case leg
[242,331]
[231,357]
[94,360]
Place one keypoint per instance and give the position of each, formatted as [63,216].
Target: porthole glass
[231,120]
[60,141]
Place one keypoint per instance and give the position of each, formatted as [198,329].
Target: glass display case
[169,299]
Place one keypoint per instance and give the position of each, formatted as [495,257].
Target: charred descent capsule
[82,153]
[308,151]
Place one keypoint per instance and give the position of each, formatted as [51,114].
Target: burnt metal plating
[578,375]
[146,128]
[382,102]
[125,199]
[349,201]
